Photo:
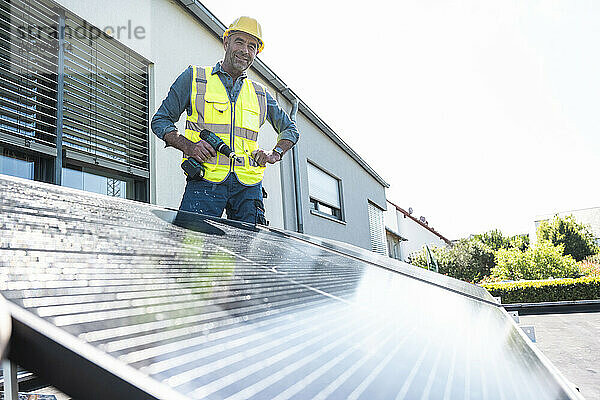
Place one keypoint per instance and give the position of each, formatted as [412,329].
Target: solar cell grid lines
[171,305]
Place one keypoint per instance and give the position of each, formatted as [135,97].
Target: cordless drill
[193,168]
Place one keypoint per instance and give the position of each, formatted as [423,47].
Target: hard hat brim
[228,32]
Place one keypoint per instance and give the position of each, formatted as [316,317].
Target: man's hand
[201,151]
[263,157]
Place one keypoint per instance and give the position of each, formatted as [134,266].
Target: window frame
[317,206]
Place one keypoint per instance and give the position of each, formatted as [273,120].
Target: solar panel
[116,299]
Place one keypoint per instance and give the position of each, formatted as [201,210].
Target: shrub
[550,261]
[419,258]
[511,264]
[590,266]
[469,260]
[586,288]
[489,279]
[577,239]
[540,262]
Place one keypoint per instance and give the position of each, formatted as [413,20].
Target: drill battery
[193,169]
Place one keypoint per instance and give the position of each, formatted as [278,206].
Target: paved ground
[572,343]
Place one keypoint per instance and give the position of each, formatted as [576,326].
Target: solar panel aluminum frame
[35,342]
[5,326]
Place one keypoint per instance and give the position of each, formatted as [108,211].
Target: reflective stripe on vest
[212,110]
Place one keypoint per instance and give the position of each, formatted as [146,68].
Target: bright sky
[480,114]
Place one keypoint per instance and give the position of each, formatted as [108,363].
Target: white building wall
[416,235]
[391,219]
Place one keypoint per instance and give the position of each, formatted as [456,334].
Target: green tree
[494,239]
[520,242]
[511,264]
[576,239]
[472,260]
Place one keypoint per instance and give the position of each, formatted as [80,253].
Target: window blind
[323,187]
[377,229]
[28,70]
[105,98]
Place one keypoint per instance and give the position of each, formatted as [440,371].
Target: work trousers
[240,202]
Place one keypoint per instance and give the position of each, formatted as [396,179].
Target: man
[223,100]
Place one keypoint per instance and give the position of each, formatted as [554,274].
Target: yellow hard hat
[248,25]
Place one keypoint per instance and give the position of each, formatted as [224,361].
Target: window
[377,229]
[19,165]
[94,181]
[75,92]
[23,165]
[393,245]
[324,192]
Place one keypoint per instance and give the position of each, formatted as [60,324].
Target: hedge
[569,289]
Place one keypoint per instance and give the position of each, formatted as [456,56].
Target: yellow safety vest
[212,110]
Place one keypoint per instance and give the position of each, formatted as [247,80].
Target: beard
[238,62]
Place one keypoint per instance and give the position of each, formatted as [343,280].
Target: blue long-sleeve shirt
[178,100]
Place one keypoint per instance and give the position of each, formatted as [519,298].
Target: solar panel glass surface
[176,303]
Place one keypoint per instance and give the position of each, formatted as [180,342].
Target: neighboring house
[89,98]
[406,234]
[585,216]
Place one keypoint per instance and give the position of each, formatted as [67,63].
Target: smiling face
[240,51]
